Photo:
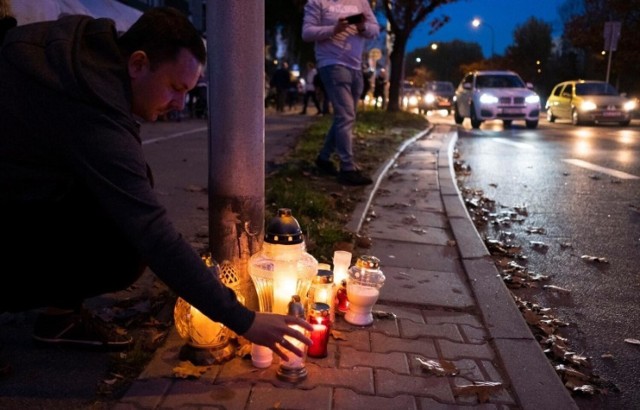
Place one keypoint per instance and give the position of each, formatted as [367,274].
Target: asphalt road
[580,185]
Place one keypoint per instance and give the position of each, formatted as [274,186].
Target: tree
[285,16]
[584,31]
[403,17]
[530,53]
[444,62]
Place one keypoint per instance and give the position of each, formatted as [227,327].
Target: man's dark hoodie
[66,127]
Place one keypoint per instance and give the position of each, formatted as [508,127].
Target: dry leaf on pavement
[482,389]
[438,367]
[187,369]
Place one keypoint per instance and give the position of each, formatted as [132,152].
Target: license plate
[511,111]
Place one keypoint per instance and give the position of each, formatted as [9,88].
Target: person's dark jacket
[281,79]
[66,121]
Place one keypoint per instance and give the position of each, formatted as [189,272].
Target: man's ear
[138,64]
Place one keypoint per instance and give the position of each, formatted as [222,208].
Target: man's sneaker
[353,178]
[80,331]
[326,167]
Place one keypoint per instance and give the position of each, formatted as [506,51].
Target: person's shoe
[353,178]
[326,167]
[80,331]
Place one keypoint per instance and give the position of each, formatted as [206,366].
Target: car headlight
[532,99]
[488,99]
[413,100]
[629,105]
[429,98]
[588,106]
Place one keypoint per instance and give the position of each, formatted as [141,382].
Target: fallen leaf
[590,258]
[187,369]
[380,314]
[337,335]
[438,367]
[481,389]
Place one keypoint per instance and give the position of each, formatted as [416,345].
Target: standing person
[310,89]
[379,88]
[339,44]
[281,81]
[367,75]
[75,190]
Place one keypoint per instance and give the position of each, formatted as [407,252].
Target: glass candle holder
[341,300]
[293,370]
[320,320]
[321,291]
[363,287]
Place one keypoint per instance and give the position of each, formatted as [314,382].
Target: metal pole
[235,37]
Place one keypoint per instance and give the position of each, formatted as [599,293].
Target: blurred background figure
[380,88]
[281,81]
[310,89]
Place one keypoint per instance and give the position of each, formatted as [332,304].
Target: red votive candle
[342,300]
[320,320]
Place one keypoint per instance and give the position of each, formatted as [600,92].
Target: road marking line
[594,167]
[514,143]
[176,135]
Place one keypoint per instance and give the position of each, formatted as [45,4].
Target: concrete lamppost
[476,23]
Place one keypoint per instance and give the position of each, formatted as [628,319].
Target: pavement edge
[533,378]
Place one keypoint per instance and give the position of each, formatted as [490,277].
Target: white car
[496,95]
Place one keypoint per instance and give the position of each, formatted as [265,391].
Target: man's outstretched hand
[270,329]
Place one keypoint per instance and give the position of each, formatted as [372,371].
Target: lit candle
[284,285]
[321,323]
[295,361]
[341,262]
[204,331]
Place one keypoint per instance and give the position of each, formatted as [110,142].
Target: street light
[476,23]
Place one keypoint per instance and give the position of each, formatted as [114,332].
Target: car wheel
[575,117]
[456,116]
[475,122]
[531,124]
[625,123]
[506,123]
[550,116]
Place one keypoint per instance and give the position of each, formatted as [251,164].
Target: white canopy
[30,11]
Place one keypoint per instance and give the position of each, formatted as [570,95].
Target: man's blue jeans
[343,87]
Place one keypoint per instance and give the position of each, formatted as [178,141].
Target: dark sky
[500,17]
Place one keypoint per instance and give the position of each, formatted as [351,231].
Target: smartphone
[355,19]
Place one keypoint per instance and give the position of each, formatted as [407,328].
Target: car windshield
[499,81]
[595,89]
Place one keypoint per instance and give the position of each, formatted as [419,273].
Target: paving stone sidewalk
[443,302]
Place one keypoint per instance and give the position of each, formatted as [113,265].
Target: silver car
[491,95]
[589,102]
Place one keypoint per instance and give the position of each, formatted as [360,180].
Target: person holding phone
[340,30]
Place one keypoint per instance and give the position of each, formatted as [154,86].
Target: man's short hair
[161,32]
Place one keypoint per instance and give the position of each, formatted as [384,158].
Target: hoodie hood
[74,54]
